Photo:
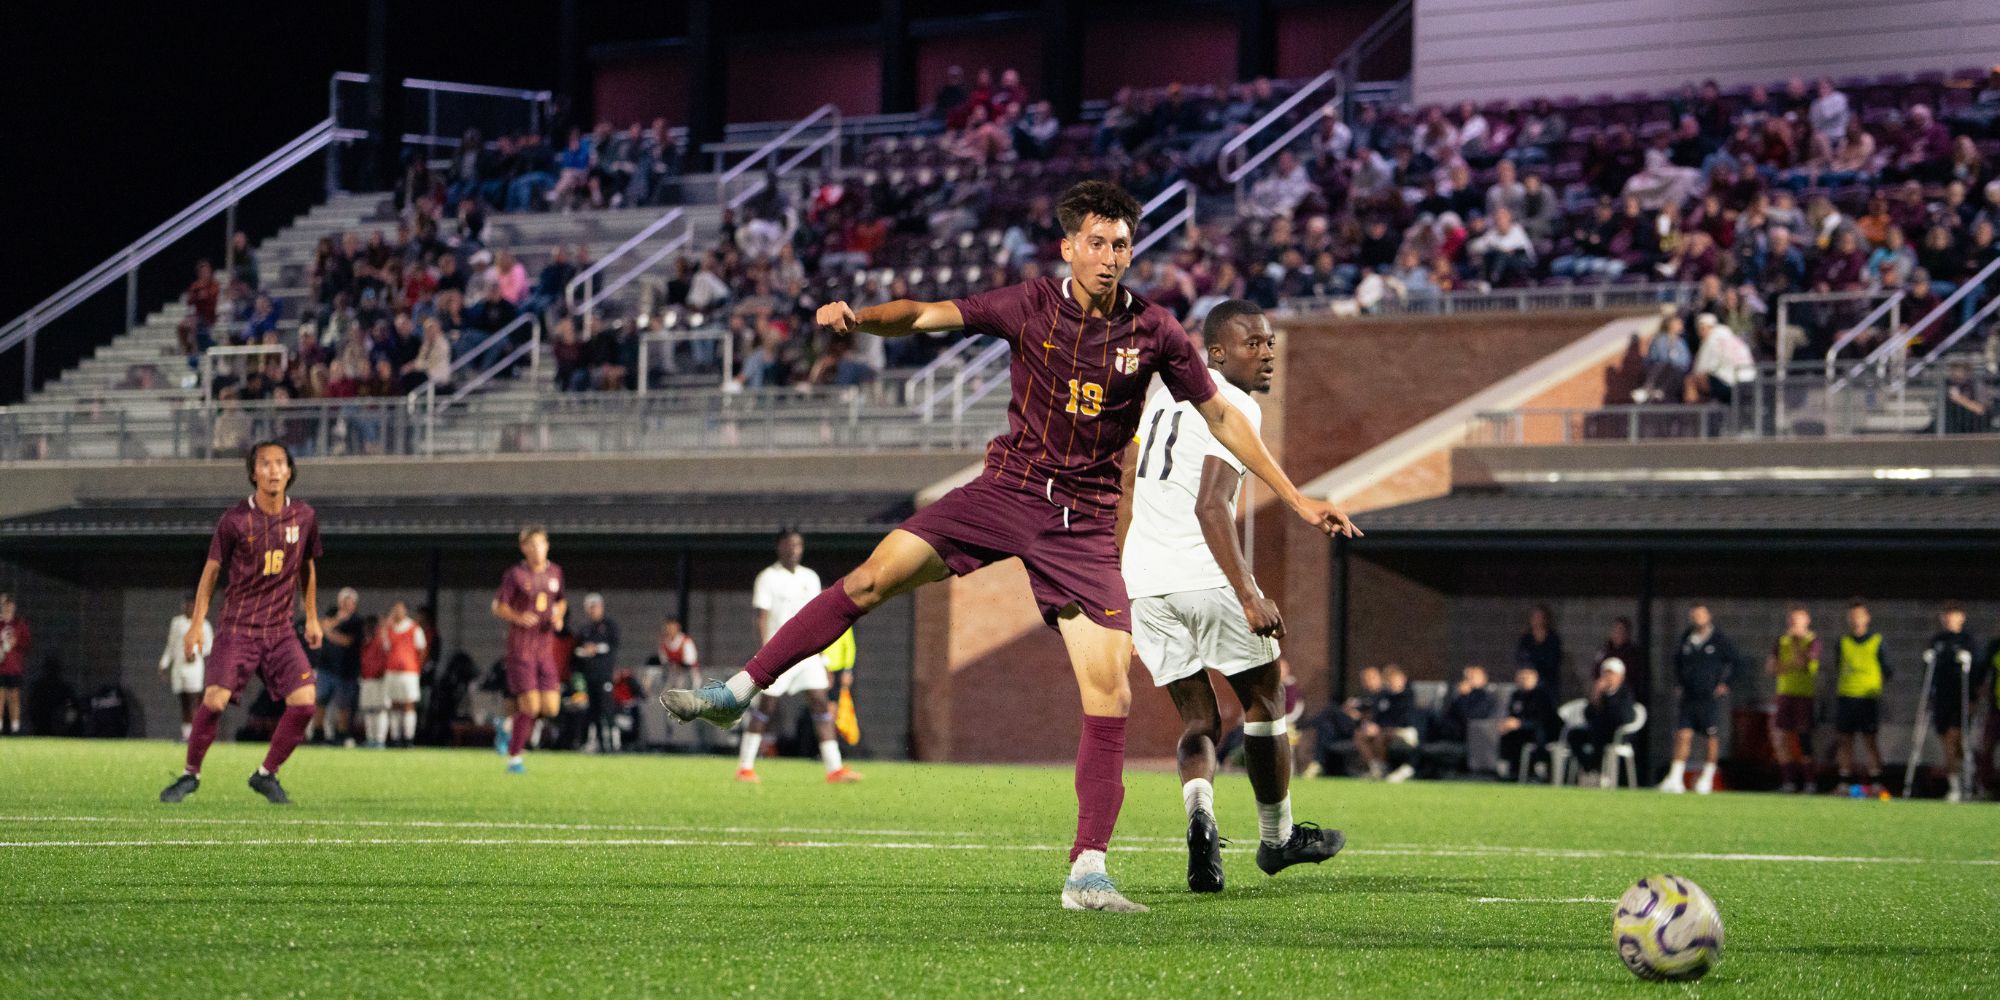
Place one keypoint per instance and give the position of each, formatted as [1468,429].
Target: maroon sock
[205,724]
[815,627]
[1100,784]
[524,727]
[286,738]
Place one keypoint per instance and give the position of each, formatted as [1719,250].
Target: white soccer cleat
[1095,892]
[1672,786]
[1401,774]
[1704,785]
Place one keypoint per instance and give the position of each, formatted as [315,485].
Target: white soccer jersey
[782,593]
[177,637]
[1165,552]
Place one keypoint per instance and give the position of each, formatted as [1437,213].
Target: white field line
[1387,850]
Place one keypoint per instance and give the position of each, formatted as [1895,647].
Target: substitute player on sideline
[1084,352]
[1195,604]
[270,543]
[533,604]
[184,675]
[781,590]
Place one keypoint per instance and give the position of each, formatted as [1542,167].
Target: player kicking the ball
[533,603]
[1195,604]
[1084,352]
[269,542]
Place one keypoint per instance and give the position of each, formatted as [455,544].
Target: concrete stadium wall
[1486,49]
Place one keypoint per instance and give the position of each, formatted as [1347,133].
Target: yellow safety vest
[1861,666]
[1797,666]
[840,655]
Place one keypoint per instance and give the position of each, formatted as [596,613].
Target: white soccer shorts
[186,678]
[1179,634]
[374,694]
[401,688]
[809,675]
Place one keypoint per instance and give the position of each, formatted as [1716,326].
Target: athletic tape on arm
[1275,727]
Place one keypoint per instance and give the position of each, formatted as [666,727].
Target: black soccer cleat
[1204,853]
[1308,845]
[182,787]
[267,786]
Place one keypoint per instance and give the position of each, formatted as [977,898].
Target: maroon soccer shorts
[1795,714]
[531,664]
[1072,558]
[273,656]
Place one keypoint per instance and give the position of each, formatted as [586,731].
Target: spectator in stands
[1609,709]
[203,294]
[1828,113]
[1891,263]
[1507,191]
[1530,721]
[1035,132]
[572,172]
[243,261]
[1472,700]
[432,363]
[1722,360]
[1779,268]
[1505,255]
[1279,192]
[263,320]
[1968,400]
[1668,362]
[1331,138]
[1923,151]
[1540,647]
[570,356]
[1941,257]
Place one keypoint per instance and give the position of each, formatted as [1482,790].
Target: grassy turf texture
[432,873]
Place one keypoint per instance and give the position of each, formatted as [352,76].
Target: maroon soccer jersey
[1079,385]
[263,555]
[525,590]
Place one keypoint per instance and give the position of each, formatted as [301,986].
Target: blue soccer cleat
[517,768]
[712,703]
[1095,892]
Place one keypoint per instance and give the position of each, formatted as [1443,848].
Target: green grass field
[433,873]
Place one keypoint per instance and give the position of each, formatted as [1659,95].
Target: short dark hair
[1952,608]
[530,530]
[1100,198]
[1224,313]
[1857,603]
[250,460]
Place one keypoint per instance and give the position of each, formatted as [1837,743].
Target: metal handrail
[924,380]
[672,337]
[1892,305]
[1348,63]
[769,149]
[1276,114]
[1184,217]
[1518,299]
[1901,342]
[125,262]
[969,398]
[993,352]
[583,277]
[459,363]
[1945,345]
[651,260]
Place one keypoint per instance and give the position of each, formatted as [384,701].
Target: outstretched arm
[899,318]
[1219,483]
[1233,430]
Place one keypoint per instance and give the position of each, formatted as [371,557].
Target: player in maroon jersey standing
[270,542]
[1084,352]
[533,603]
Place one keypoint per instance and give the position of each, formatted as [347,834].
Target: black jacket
[1537,711]
[1462,710]
[1699,669]
[1605,716]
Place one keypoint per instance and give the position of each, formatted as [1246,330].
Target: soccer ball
[1666,927]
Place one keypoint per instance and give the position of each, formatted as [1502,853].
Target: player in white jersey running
[780,591]
[1195,604]
[182,672]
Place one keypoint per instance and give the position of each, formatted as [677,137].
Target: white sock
[410,724]
[504,724]
[261,772]
[535,738]
[1274,821]
[746,757]
[1676,772]
[516,759]
[392,722]
[829,754]
[377,725]
[742,687]
[1708,772]
[1087,863]
[1198,793]
[187,730]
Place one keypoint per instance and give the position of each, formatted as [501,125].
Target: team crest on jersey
[1127,361]
[554,585]
[291,534]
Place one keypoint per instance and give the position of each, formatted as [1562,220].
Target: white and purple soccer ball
[1666,928]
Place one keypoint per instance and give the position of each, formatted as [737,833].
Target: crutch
[1917,730]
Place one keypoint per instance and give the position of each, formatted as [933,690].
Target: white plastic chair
[1621,749]
[1571,714]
